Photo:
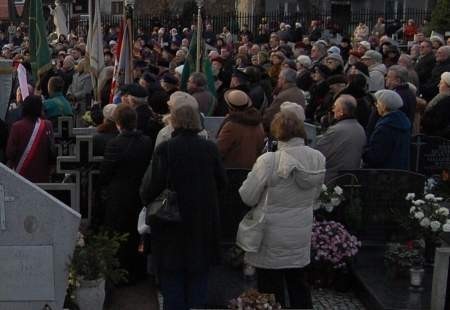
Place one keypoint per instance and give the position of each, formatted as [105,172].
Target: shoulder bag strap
[272,170]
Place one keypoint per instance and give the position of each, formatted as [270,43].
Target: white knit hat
[389,98]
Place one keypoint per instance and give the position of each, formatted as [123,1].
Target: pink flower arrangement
[331,243]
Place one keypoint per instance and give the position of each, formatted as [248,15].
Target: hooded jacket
[241,139]
[388,146]
[290,179]
[377,73]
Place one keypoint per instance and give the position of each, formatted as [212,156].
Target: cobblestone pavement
[325,300]
[332,300]
[145,297]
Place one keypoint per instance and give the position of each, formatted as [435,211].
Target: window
[116,8]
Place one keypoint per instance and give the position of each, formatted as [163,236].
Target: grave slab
[379,291]
[37,237]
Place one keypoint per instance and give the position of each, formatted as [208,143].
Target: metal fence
[346,22]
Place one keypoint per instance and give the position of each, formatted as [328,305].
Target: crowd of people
[368,95]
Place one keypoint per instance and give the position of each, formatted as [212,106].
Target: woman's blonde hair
[185,117]
[286,125]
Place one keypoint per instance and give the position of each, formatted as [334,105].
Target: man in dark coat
[389,144]
[397,80]
[126,158]
[426,61]
[429,88]
[190,166]
[288,92]
[436,119]
[136,96]
[157,97]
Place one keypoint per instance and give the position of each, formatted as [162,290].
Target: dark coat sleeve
[219,171]
[379,147]
[155,177]
[110,162]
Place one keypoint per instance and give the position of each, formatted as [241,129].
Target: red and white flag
[123,66]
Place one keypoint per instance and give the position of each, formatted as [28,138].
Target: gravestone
[382,195]
[37,237]
[85,167]
[212,125]
[64,137]
[64,192]
[429,155]
[440,288]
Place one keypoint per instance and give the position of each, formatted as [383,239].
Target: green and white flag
[39,49]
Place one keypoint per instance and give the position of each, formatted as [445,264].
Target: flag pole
[199,34]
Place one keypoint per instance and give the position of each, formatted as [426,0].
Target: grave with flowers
[392,237]
[332,246]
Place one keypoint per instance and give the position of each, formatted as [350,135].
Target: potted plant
[332,250]
[402,260]
[253,300]
[94,261]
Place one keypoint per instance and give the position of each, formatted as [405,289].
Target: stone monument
[38,234]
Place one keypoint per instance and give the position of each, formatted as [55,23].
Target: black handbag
[165,207]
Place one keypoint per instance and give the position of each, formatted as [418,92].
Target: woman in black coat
[183,252]
[125,160]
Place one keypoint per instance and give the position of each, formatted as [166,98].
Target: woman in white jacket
[291,178]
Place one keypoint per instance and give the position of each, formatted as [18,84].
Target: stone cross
[85,166]
[3,200]
[64,137]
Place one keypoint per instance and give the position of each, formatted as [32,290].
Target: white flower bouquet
[329,198]
[430,213]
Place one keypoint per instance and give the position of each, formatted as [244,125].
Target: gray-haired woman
[290,180]
[183,252]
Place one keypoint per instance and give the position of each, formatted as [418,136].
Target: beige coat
[292,176]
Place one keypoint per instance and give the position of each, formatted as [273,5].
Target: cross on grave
[85,166]
[64,137]
[432,154]
[416,146]
[3,199]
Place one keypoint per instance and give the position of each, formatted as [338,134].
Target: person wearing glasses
[426,61]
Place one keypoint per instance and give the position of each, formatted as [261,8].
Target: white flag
[23,83]
[94,46]
[95,43]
